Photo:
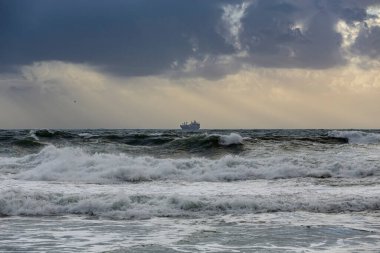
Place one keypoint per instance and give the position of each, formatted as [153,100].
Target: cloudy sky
[154,64]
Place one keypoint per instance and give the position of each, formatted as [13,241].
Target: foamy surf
[171,200]
[231,139]
[76,165]
[169,191]
[357,137]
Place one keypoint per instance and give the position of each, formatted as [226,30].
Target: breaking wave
[357,137]
[76,165]
[123,206]
[205,142]
[191,141]
[231,139]
[188,141]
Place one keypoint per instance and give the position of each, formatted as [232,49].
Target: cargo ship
[192,126]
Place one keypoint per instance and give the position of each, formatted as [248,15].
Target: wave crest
[74,164]
[231,139]
[357,137]
[122,206]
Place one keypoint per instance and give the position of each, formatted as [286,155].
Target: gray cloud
[368,42]
[141,37]
[282,34]
[299,33]
[128,37]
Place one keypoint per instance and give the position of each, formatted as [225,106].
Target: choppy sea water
[209,191]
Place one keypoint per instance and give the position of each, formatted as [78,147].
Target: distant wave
[190,141]
[231,139]
[141,139]
[27,143]
[309,139]
[46,133]
[148,139]
[137,139]
[203,142]
[123,206]
[74,164]
[168,142]
[357,137]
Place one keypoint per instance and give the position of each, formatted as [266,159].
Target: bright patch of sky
[374,10]
[375,20]
[232,15]
[351,31]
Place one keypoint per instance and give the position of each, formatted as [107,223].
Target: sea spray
[357,137]
[76,165]
[210,190]
[123,205]
[232,138]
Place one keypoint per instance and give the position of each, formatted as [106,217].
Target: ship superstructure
[192,126]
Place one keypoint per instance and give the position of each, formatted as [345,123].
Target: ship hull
[190,128]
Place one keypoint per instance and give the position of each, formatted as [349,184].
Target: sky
[154,64]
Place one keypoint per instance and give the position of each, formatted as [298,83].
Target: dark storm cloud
[368,42]
[141,37]
[129,37]
[274,38]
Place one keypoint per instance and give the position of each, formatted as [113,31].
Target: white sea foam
[32,134]
[125,206]
[232,138]
[357,137]
[86,135]
[74,164]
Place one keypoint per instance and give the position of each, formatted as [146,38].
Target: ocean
[172,191]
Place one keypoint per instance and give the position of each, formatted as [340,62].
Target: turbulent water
[208,191]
